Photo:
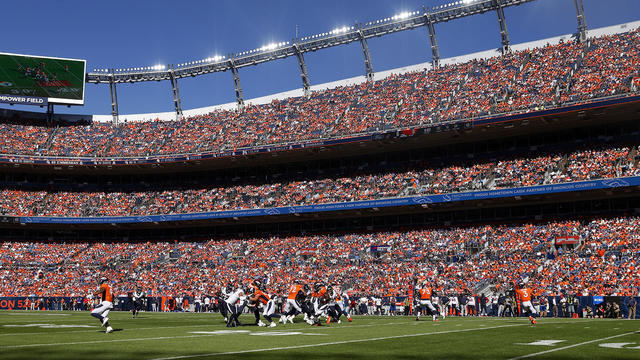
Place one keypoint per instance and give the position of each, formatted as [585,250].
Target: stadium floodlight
[402,15]
[271,46]
[341,30]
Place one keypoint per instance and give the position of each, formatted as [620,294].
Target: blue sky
[119,33]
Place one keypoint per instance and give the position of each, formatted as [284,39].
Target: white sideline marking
[246,351]
[34,314]
[571,346]
[334,343]
[100,341]
[204,325]
[49,326]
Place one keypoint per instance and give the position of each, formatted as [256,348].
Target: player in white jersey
[233,303]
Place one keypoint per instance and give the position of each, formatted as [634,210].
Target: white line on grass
[571,346]
[334,343]
[200,325]
[100,341]
[35,314]
[313,328]
[194,336]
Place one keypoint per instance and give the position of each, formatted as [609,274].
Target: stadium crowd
[458,260]
[519,81]
[403,179]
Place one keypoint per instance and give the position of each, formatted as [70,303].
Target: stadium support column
[303,70]
[504,34]
[435,53]
[365,51]
[114,98]
[176,93]
[582,24]
[49,113]
[236,83]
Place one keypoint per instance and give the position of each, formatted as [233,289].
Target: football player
[523,294]
[423,294]
[234,307]
[222,296]
[320,303]
[294,303]
[137,302]
[263,301]
[101,311]
[336,306]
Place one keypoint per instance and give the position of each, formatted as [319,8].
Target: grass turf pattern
[76,335]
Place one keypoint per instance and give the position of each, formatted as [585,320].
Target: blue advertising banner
[405,201]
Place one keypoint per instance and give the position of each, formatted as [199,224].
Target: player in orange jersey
[423,295]
[106,304]
[295,299]
[264,302]
[523,294]
[320,303]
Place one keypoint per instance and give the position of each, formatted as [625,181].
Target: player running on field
[106,304]
[293,306]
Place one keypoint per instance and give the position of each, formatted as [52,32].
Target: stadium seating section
[403,179]
[458,258]
[520,81]
[461,259]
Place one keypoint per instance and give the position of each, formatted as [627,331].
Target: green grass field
[76,335]
[14,81]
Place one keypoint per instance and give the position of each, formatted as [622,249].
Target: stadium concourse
[549,76]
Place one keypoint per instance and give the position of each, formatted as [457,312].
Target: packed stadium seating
[552,75]
[457,259]
[404,179]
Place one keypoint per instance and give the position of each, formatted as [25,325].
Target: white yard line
[571,346]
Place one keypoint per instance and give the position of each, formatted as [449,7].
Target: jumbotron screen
[38,80]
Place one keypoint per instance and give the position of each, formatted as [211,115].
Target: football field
[76,335]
